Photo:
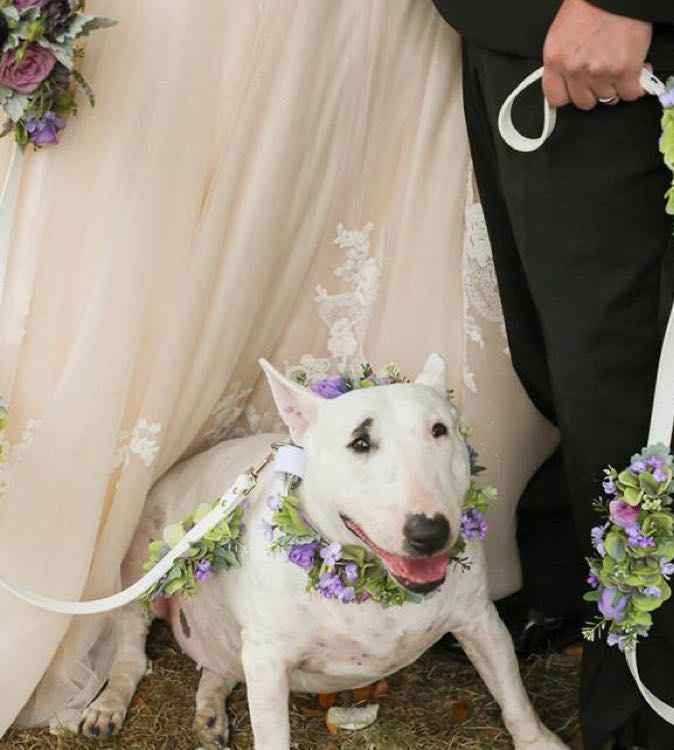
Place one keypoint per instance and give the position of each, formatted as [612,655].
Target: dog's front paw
[104,717]
[547,740]
[211,726]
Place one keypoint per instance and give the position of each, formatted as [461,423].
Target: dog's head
[385,466]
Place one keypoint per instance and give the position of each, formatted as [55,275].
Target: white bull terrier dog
[386,467]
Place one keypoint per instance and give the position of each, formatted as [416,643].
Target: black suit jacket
[519,27]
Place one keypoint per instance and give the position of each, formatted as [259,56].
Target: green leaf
[628,479]
[201,511]
[174,586]
[592,596]
[16,105]
[633,496]
[615,545]
[64,53]
[648,483]
[173,534]
[83,25]
[646,603]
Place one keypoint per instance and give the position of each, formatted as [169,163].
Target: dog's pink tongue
[417,569]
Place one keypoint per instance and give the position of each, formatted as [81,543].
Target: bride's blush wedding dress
[279,178]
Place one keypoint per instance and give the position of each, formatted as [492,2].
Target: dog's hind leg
[105,716]
[210,722]
[489,646]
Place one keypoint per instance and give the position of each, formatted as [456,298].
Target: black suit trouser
[584,258]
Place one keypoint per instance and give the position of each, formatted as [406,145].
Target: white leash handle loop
[511,135]
[662,418]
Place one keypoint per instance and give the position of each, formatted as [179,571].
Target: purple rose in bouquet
[25,76]
[44,132]
[623,514]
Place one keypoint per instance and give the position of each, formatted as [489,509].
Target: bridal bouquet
[38,75]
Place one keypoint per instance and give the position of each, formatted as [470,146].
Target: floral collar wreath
[635,542]
[38,74]
[347,573]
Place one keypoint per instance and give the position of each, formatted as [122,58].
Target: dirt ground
[436,704]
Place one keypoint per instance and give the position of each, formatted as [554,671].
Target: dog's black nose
[424,535]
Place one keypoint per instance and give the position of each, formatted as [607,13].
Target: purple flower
[351,572]
[303,555]
[613,639]
[274,502]
[637,538]
[667,98]
[330,387]
[656,462]
[268,531]
[613,604]
[27,75]
[666,568]
[597,535]
[638,465]
[660,475]
[622,514]
[45,131]
[347,594]
[593,580]
[609,487]
[204,571]
[23,4]
[653,591]
[330,586]
[331,554]
[473,525]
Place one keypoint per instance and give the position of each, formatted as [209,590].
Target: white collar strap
[290,459]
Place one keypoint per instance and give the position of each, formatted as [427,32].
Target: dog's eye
[361,444]
[439,430]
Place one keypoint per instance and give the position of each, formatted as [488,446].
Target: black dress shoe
[532,633]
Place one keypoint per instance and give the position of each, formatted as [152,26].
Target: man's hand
[591,54]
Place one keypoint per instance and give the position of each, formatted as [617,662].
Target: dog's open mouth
[418,574]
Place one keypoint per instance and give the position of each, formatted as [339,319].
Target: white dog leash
[662,418]
[289,460]
[662,423]
[511,135]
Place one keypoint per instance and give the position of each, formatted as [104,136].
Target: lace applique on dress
[141,441]
[481,295]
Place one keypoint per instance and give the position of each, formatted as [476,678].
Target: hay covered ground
[436,704]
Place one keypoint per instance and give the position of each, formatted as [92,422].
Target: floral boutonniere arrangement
[216,551]
[38,74]
[350,573]
[635,548]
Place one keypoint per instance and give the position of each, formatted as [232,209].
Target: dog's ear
[434,374]
[297,406]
